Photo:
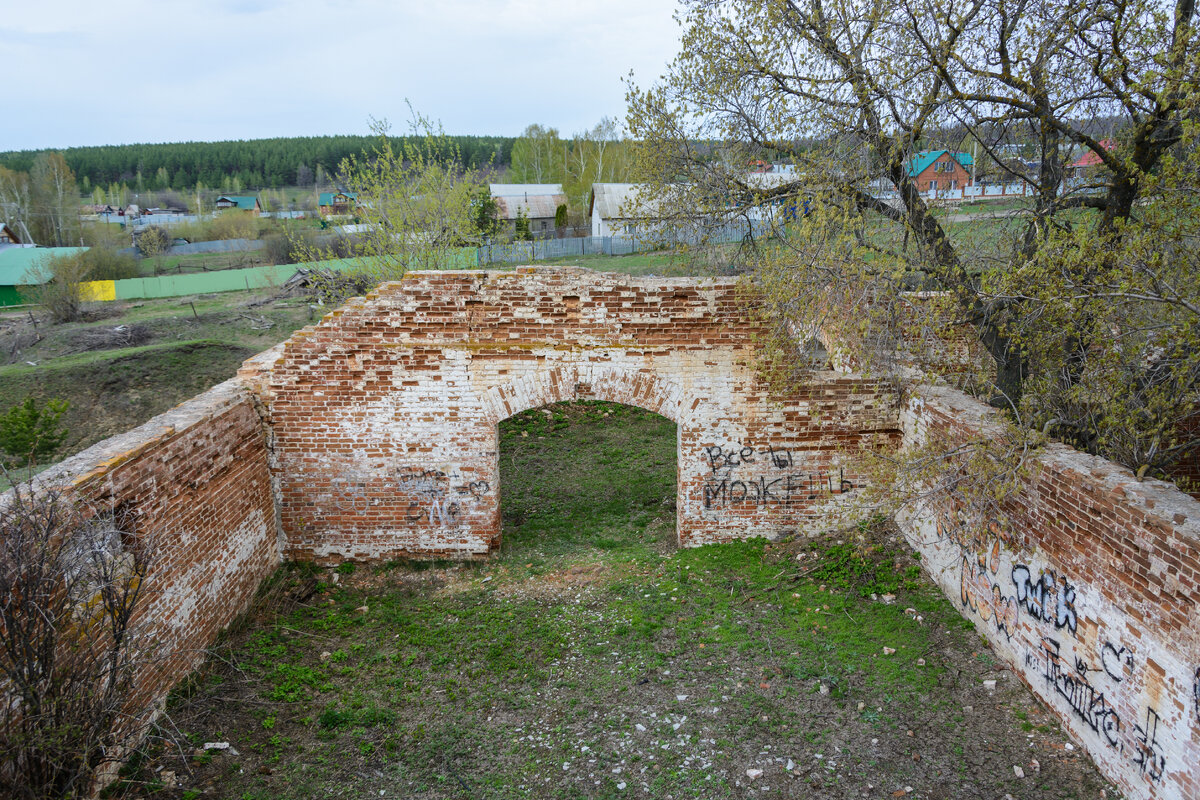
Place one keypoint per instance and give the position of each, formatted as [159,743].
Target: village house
[8,235]
[941,169]
[615,210]
[536,202]
[248,204]
[1089,163]
[336,204]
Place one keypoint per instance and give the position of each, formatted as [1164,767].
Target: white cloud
[223,69]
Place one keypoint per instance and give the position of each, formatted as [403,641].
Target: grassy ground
[130,361]
[201,262]
[591,658]
[666,263]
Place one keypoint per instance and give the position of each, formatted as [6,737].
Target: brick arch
[383,416]
[640,388]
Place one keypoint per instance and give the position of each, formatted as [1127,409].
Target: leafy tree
[1084,306]
[104,263]
[29,432]
[595,156]
[537,156]
[153,240]
[16,202]
[54,201]
[414,204]
[483,208]
[56,285]
[521,226]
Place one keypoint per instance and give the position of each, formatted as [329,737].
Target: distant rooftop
[921,161]
[15,262]
[520,189]
[247,203]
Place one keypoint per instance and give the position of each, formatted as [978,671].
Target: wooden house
[941,169]
[248,204]
[334,204]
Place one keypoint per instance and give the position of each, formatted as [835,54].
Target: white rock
[791,765]
[989,685]
[887,651]
[640,727]
[1020,773]
[824,689]
[754,774]
[681,697]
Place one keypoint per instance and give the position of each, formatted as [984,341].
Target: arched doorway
[587,475]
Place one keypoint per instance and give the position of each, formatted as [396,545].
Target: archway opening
[587,475]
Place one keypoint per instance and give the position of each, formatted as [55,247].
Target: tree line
[256,163]
[599,155]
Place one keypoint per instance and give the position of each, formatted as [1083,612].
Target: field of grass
[129,361]
[201,262]
[666,263]
[592,658]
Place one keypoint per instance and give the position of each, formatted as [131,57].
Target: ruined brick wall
[384,416]
[197,484]
[1091,593]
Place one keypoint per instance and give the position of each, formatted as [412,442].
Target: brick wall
[1091,594]
[197,484]
[384,415]
[382,442]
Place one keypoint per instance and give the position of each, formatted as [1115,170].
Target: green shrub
[56,286]
[28,432]
[106,264]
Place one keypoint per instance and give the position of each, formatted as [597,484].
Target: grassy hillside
[131,361]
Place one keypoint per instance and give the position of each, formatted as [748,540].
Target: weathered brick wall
[197,484]
[384,415]
[1091,593]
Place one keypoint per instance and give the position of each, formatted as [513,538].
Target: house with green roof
[941,169]
[337,203]
[17,263]
[241,203]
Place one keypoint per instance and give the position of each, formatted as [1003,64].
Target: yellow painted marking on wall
[94,291]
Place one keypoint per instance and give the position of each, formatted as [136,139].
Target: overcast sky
[114,73]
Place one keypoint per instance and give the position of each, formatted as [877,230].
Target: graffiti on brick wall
[1048,598]
[1148,754]
[1196,695]
[981,594]
[780,480]
[980,587]
[1070,682]
[433,496]
[1117,661]
[1073,679]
